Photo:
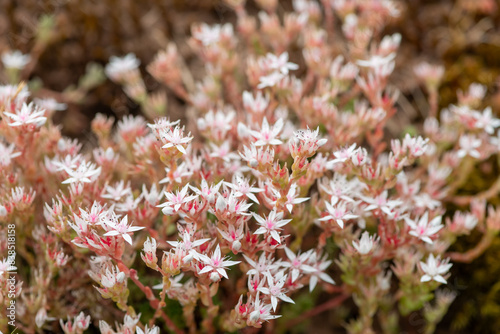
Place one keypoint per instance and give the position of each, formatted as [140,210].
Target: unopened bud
[236,246]
[3,211]
[120,277]
[214,277]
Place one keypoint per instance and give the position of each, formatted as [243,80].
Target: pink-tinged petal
[217,253]
[111,233]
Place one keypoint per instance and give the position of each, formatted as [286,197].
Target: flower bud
[236,247]
[214,277]
[3,211]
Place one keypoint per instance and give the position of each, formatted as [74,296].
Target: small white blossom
[7,154]
[15,59]
[434,268]
[84,173]
[275,289]
[28,114]
[424,229]
[147,330]
[268,135]
[468,146]
[122,228]
[271,224]
[365,243]
[118,67]
[215,264]
[337,210]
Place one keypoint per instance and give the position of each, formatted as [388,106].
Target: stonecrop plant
[281,178]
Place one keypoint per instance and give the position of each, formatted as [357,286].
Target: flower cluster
[281,177]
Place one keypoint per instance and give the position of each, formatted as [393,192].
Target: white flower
[242,187]
[297,264]
[337,211]
[468,146]
[119,66]
[320,263]
[270,80]
[268,135]
[122,228]
[342,155]
[275,289]
[292,199]
[7,153]
[377,61]
[175,138]
[28,114]
[175,201]
[271,225]
[6,265]
[41,318]
[216,265]
[188,246]
[209,35]
[365,244]
[305,142]
[50,104]
[117,192]
[382,203]
[112,277]
[79,324]
[262,265]
[424,229]
[487,122]
[257,104]
[152,330]
[434,269]
[15,59]
[84,173]
[261,312]
[278,63]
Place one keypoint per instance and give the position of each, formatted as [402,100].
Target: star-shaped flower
[216,265]
[122,228]
[434,268]
[424,229]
